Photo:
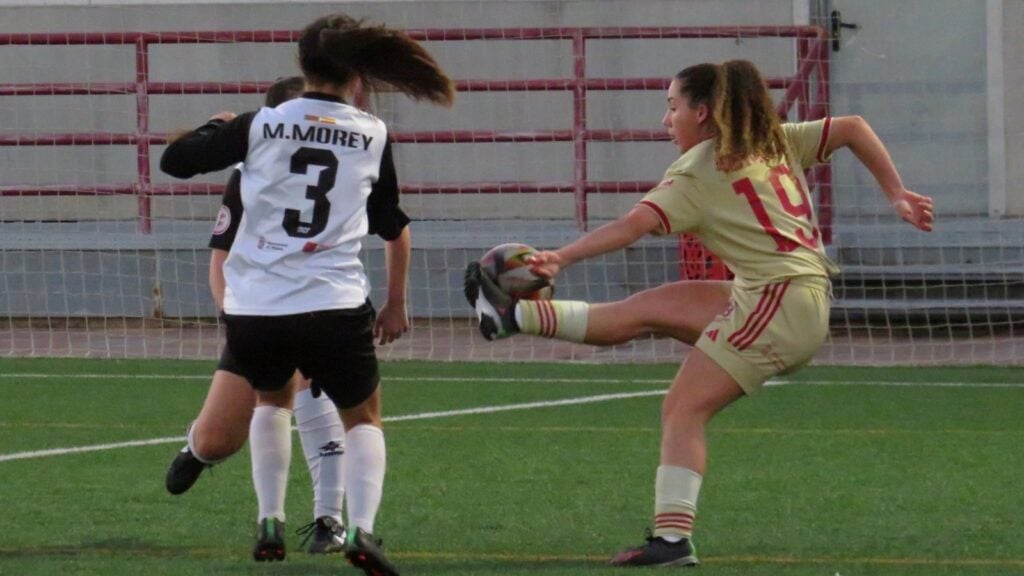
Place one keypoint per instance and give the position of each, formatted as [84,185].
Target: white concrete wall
[417,163]
[915,69]
[1013,104]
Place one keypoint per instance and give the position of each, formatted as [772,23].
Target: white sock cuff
[271,411]
[361,429]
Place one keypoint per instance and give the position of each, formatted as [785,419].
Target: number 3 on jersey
[301,162]
[746,188]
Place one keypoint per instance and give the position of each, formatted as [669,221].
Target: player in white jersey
[228,414]
[739,186]
[318,176]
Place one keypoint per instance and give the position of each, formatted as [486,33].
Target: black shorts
[228,363]
[334,348]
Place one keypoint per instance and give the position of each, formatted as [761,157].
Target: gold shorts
[769,330]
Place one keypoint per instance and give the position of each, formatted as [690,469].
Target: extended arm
[853,132]
[221,142]
[613,236]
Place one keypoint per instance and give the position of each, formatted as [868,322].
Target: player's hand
[914,208]
[223,117]
[392,322]
[546,264]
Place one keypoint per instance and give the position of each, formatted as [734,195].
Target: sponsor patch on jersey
[223,221]
[264,244]
[321,119]
[665,183]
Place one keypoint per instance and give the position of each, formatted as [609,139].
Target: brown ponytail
[746,124]
[334,49]
[749,128]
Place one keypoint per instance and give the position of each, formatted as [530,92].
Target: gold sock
[675,501]
[561,319]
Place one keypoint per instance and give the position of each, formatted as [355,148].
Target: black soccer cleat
[494,307]
[657,551]
[183,472]
[364,552]
[269,541]
[327,535]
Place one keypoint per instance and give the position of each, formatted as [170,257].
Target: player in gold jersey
[738,186]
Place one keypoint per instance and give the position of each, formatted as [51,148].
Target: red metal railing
[812,57]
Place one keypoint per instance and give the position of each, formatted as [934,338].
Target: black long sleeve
[229,215]
[213,146]
[387,219]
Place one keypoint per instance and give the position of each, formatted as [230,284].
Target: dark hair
[283,90]
[746,124]
[336,48]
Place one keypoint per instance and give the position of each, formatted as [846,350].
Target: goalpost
[556,129]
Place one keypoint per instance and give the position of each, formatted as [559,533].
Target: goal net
[556,130]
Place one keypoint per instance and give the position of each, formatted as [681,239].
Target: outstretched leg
[679,310]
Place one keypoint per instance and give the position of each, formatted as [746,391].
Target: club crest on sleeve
[223,221]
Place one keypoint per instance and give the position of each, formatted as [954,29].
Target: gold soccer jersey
[759,219]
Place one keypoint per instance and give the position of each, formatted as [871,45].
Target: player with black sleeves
[230,413]
[318,176]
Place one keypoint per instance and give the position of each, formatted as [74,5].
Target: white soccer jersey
[318,176]
[307,177]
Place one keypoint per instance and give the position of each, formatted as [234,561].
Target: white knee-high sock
[323,442]
[365,462]
[270,442]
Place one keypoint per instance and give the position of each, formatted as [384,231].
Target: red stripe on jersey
[820,156]
[661,214]
[777,300]
[748,325]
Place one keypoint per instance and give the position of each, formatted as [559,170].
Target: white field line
[404,418]
[461,412]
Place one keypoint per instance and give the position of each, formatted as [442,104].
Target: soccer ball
[506,265]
